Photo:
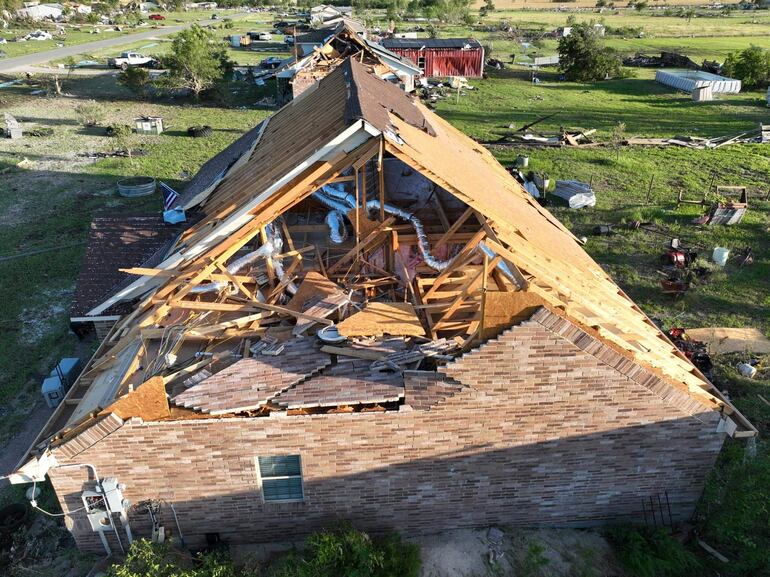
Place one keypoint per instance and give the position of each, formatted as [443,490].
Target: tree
[583,56]
[751,66]
[198,59]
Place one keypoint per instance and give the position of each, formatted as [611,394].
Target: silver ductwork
[341,201]
[269,251]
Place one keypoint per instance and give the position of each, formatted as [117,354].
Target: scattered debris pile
[694,350]
[665,60]
[723,210]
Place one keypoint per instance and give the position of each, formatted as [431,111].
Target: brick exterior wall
[542,432]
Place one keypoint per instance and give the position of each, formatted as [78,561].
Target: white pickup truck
[131,59]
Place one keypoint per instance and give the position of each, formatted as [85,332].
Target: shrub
[135,79]
[147,559]
[652,552]
[751,66]
[119,130]
[90,112]
[346,551]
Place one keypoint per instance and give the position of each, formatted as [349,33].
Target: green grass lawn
[646,107]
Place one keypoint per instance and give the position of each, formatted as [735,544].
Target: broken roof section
[323,50]
[269,226]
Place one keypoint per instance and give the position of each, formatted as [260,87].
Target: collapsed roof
[331,46]
[358,214]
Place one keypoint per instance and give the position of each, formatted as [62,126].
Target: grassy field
[72,37]
[553,5]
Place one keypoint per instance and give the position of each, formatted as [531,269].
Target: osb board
[725,340]
[314,285]
[503,309]
[147,401]
[383,318]
[365,226]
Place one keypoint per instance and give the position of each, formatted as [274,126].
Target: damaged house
[323,50]
[371,320]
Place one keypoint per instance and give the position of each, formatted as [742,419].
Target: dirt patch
[520,552]
[40,320]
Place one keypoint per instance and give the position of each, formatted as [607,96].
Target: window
[281,478]
[421,63]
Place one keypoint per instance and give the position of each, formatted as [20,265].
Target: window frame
[261,479]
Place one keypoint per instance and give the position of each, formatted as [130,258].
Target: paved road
[21,62]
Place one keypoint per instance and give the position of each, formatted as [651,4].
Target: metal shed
[441,56]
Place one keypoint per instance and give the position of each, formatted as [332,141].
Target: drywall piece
[726,340]
[148,401]
[377,319]
[503,309]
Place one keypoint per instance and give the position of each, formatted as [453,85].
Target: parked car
[289,39]
[132,59]
[264,36]
[271,63]
[156,17]
[280,24]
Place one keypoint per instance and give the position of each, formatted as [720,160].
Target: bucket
[746,370]
[720,255]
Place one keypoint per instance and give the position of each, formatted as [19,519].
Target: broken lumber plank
[353,352]
[370,239]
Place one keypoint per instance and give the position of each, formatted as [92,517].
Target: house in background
[324,52]
[41,12]
[441,57]
[325,15]
[370,319]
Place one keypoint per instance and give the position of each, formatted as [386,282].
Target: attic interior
[325,307]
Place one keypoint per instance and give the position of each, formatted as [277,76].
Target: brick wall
[541,433]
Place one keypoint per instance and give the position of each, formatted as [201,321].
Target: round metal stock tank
[136,186]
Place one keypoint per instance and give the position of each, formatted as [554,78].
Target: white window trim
[301,480]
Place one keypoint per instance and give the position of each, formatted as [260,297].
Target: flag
[169,196]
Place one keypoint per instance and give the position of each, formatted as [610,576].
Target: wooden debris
[713,552]
[731,340]
[383,318]
[148,402]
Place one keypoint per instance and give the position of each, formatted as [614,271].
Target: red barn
[441,56]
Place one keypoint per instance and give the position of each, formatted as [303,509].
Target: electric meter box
[96,510]
[103,500]
[112,492]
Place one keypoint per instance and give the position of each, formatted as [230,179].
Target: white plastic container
[720,255]
[747,370]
